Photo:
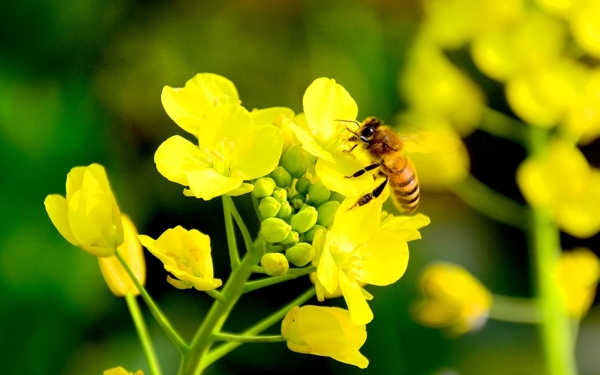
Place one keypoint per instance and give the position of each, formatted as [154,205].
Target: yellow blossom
[231,150]
[324,102]
[186,255]
[572,196]
[585,25]
[356,251]
[121,371]
[453,298]
[89,216]
[325,331]
[578,273]
[187,105]
[116,277]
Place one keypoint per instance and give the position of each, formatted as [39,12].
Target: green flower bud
[302,185]
[335,196]
[269,207]
[310,235]
[280,194]
[295,161]
[275,264]
[297,201]
[285,211]
[263,187]
[327,213]
[291,239]
[281,176]
[274,229]
[304,220]
[300,254]
[318,194]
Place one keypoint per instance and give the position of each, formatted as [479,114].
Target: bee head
[368,127]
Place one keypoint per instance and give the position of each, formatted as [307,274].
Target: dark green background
[80,82]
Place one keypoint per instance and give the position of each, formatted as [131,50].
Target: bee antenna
[353,121]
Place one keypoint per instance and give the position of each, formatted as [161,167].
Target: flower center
[219,158]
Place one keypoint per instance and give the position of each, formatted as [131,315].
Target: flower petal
[385,260]
[226,123]
[56,206]
[333,174]
[176,157]
[261,154]
[309,143]
[360,312]
[207,183]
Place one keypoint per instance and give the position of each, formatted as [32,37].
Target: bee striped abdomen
[405,187]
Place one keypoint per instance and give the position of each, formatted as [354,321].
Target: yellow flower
[231,149]
[578,273]
[585,24]
[325,331]
[572,196]
[317,130]
[356,250]
[89,216]
[121,371]
[185,254]
[186,106]
[114,274]
[453,299]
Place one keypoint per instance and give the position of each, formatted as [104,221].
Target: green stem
[194,362]
[238,219]
[142,331]
[545,248]
[492,204]
[161,319]
[231,337]
[515,309]
[234,254]
[268,281]
[503,126]
[215,294]
[260,326]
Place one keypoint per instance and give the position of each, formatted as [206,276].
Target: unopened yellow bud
[300,254]
[285,212]
[282,177]
[310,235]
[269,207]
[274,229]
[263,187]
[295,161]
[302,185]
[275,264]
[327,213]
[318,194]
[304,220]
[280,194]
[291,239]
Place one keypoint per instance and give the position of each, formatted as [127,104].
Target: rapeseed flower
[187,255]
[571,196]
[121,371]
[325,331]
[233,145]
[116,277]
[356,250]
[88,216]
[453,298]
[578,273]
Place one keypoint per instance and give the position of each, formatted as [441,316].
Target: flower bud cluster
[293,209]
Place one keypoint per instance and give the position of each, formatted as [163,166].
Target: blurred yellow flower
[585,25]
[185,254]
[231,149]
[563,182]
[121,371]
[325,331]
[114,274]
[578,273]
[356,251]
[89,216]
[186,106]
[324,102]
[453,298]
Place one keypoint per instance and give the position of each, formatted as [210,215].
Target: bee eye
[367,131]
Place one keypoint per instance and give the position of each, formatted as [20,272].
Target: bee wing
[430,142]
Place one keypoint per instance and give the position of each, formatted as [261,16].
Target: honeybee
[386,149]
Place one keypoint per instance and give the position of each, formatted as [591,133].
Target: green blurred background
[80,82]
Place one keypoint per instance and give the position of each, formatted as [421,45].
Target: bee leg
[365,169]
[353,147]
[372,195]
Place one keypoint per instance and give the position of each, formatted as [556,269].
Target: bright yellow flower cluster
[121,371]
[578,274]
[453,298]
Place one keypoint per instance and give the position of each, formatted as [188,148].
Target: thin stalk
[234,254]
[545,250]
[277,316]
[268,281]
[503,126]
[246,339]
[238,219]
[142,330]
[515,309]
[161,319]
